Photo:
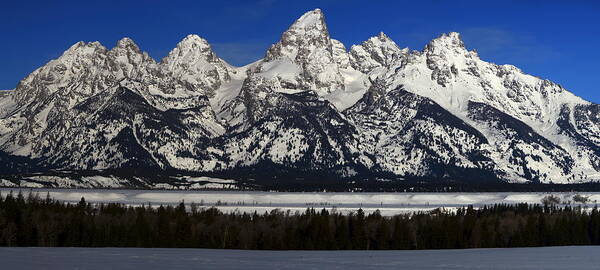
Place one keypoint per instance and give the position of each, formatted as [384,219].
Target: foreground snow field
[580,257]
[250,201]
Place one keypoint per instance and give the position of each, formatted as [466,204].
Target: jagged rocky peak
[128,53]
[305,35]
[306,58]
[79,53]
[82,48]
[340,55]
[449,46]
[446,56]
[193,61]
[438,111]
[376,53]
[194,43]
[447,40]
[81,59]
[127,44]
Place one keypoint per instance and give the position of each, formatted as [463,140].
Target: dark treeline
[305,182]
[31,221]
[412,185]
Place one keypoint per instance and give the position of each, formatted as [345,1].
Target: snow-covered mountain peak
[384,41]
[193,42]
[375,54]
[81,59]
[306,35]
[310,20]
[307,58]
[383,38]
[193,61]
[190,49]
[127,43]
[126,47]
[446,40]
[78,52]
[132,62]
[459,81]
[435,113]
[82,47]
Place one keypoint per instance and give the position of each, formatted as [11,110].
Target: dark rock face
[411,135]
[297,133]
[519,145]
[581,123]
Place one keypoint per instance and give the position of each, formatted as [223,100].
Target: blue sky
[557,40]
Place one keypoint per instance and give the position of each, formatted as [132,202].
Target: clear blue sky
[557,40]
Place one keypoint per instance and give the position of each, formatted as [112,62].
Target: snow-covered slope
[307,58]
[299,133]
[94,108]
[194,63]
[411,135]
[506,105]
[310,107]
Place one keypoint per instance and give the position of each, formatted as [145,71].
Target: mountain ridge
[310,106]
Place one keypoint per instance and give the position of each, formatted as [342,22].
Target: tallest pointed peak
[311,18]
[311,23]
[307,33]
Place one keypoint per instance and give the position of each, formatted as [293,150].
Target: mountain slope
[307,58]
[297,134]
[411,135]
[67,112]
[457,79]
[309,109]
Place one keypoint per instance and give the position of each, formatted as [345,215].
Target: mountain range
[311,108]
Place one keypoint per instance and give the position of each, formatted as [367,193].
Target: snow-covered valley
[344,202]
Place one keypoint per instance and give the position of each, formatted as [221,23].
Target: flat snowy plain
[250,201]
[574,257]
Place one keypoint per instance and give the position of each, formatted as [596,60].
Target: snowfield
[229,201]
[573,257]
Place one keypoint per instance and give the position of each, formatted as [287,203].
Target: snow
[7,105]
[356,85]
[241,201]
[211,99]
[228,91]
[113,182]
[447,73]
[193,61]
[40,181]
[310,18]
[548,258]
[307,58]
[6,183]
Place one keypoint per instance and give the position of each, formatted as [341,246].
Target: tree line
[33,221]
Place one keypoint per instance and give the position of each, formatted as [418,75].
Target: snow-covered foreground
[228,201]
[582,257]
